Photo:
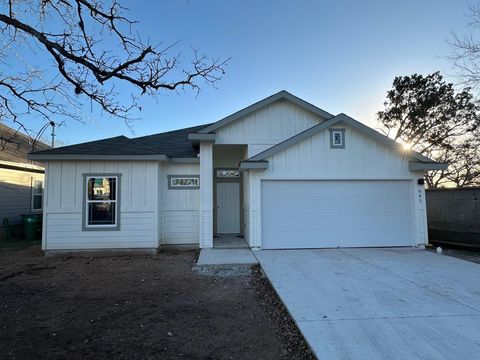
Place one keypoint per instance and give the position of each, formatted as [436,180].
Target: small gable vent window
[337,138]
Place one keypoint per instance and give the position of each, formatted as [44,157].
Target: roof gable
[340,118]
[282,95]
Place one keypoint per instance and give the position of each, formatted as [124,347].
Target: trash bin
[33,226]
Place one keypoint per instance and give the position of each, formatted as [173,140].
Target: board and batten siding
[313,159]
[266,127]
[16,194]
[178,209]
[63,206]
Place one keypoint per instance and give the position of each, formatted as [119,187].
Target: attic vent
[337,138]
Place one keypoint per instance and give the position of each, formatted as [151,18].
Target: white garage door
[324,214]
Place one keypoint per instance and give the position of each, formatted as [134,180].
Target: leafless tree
[466,50]
[95,53]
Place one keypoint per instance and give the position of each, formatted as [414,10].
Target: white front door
[228,208]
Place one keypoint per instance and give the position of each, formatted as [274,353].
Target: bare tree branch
[94,51]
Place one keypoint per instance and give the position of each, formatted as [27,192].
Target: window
[228,173]
[183,182]
[337,138]
[37,195]
[101,202]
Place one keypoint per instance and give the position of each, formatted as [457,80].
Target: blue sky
[339,55]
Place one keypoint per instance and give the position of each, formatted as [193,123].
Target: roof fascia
[185,160]
[196,138]
[253,165]
[426,166]
[19,167]
[34,156]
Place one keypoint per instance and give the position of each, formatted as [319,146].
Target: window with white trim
[37,195]
[101,202]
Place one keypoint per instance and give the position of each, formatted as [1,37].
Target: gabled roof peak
[281,95]
[344,119]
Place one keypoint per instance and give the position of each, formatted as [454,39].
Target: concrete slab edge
[265,274]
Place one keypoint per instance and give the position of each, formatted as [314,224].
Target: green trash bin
[32,224]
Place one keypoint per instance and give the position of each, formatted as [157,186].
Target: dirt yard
[137,307]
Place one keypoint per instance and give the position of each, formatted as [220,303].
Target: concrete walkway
[380,303]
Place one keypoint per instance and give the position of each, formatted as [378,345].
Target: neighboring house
[21,180]
[454,216]
[282,173]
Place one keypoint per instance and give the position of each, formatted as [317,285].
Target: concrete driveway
[380,303]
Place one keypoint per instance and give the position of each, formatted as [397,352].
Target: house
[282,173]
[21,180]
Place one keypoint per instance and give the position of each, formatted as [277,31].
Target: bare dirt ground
[137,307]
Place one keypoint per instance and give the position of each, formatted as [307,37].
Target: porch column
[206,195]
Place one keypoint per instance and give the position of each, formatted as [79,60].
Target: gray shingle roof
[173,144]
[18,145]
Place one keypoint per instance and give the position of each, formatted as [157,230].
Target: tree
[94,51]
[426,114]
[466,51]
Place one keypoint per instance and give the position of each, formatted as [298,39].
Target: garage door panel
[328,205]
[318,222]
[331,239]
[315,214]
[338,186]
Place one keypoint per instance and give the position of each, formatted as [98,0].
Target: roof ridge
[173,131]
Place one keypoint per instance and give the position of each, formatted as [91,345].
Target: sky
[340,55]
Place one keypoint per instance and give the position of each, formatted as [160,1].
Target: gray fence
[454,216]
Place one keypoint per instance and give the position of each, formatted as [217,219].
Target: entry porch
[223,202]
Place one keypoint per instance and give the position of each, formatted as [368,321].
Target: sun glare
[407,146]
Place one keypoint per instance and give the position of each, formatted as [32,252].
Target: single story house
[21,180]
[282,173]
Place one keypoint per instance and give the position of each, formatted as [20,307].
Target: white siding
[312,159]
[362,157]
[267,127]
[16,194]
[178,213]
[64,205]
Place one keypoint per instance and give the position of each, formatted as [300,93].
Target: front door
[228,208]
